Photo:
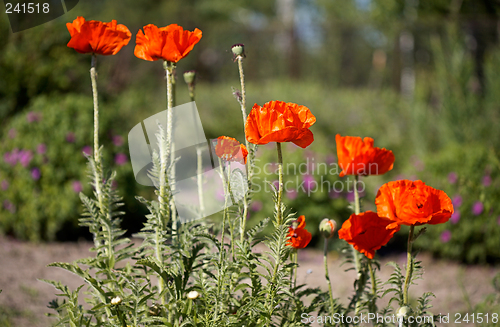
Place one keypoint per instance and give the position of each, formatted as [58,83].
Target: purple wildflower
[291,194]
[452,178]
[477,208]
[70,137]
[350,196]
[445,236]
[334,194]
[77,186]
[486,180]
[457,201]
[41,148]
[256,206]
[25,157]
[9,206]
[455,217]
[4,185]
[117,140]
[33,116]
[35,173]
[121,159]
[309,182]
[87,150]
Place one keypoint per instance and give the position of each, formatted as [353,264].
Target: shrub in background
[43,166]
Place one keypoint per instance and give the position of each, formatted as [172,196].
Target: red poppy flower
[299,236]
[367,232]
[97,37]
[413,203]
[171,43]
[230,149]
[277,121]
[359,157]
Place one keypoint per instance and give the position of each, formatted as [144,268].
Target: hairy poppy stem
[169,70]
[409,266]
[374,286]
[250,156]
[98,178]
[279,223]
[296,261]
[280,181]
[355,253]
[222,250]
[97,157]
[327,275]
[199,162]
[93,77]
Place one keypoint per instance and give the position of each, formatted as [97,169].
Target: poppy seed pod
[238,50]
[189,77]
[327,227]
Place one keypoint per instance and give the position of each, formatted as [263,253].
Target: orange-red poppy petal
[97,37]
[413,203]
[299,238]
[230,149]
[277,121]
[171,43]
[367,232]
[359,157]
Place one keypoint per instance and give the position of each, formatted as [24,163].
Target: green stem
[229,192]
[97,157]
[296,261]
[279,223]
[199,163]
[280,181]
[250,159]
[327,275]
[374,285]
[243,219]
[222,248]
[98,179]
[169,69]
[357,262]
[409,265]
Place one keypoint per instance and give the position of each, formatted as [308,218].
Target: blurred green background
[420,77]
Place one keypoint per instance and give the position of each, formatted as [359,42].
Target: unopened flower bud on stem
[327,227]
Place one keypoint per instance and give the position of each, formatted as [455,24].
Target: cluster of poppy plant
[402,202]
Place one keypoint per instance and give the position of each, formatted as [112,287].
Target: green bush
[43,166]
[473,232]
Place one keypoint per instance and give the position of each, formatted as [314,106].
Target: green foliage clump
[43,164]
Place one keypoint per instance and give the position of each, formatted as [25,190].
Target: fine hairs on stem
[239,59]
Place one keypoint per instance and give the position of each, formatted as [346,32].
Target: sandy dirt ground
[25,299]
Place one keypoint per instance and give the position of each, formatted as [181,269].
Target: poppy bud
[189,77]
[238,50]
[327,227]
[193,295]
[116,300]
[403,312]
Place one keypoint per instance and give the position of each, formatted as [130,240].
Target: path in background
[25,299]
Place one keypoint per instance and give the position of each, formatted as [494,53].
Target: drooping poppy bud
[327,227]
